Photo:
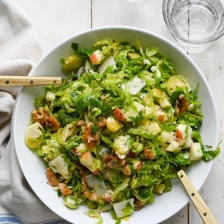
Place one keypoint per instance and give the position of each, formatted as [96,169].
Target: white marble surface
[56,20]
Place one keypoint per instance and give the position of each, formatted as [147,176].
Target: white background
[56,20]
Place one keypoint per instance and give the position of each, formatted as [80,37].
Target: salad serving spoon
[28,81]
[199,203]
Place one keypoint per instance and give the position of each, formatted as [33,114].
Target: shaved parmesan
[119,207]
[58,165]
[136,85]
[96,184]
[80,71]
[108,62]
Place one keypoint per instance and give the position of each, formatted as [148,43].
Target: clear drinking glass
[195,24]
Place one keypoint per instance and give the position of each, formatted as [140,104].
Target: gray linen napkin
[18,50]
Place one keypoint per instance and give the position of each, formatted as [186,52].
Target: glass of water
[195,24]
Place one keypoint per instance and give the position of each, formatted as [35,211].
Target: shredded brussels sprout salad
[118,129]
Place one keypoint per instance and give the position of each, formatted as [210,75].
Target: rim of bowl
[180,39]
[118,28]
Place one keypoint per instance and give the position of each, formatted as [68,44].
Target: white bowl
[32,166]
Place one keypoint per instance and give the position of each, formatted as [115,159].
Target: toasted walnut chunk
[64,189]
[81,123]
[51,177]
[181,105]
[89,138]
[102,122]
[91,196]
[44,118]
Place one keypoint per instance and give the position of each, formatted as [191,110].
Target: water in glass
[194,22]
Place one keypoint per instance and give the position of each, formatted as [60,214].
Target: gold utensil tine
[199,203]
[28,81]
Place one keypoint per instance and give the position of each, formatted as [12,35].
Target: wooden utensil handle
[28,81]
[199,203]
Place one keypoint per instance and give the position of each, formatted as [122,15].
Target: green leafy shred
[211,154]
[75,46]
[128,209]
[95,215]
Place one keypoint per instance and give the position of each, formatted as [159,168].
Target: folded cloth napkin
[18,50]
